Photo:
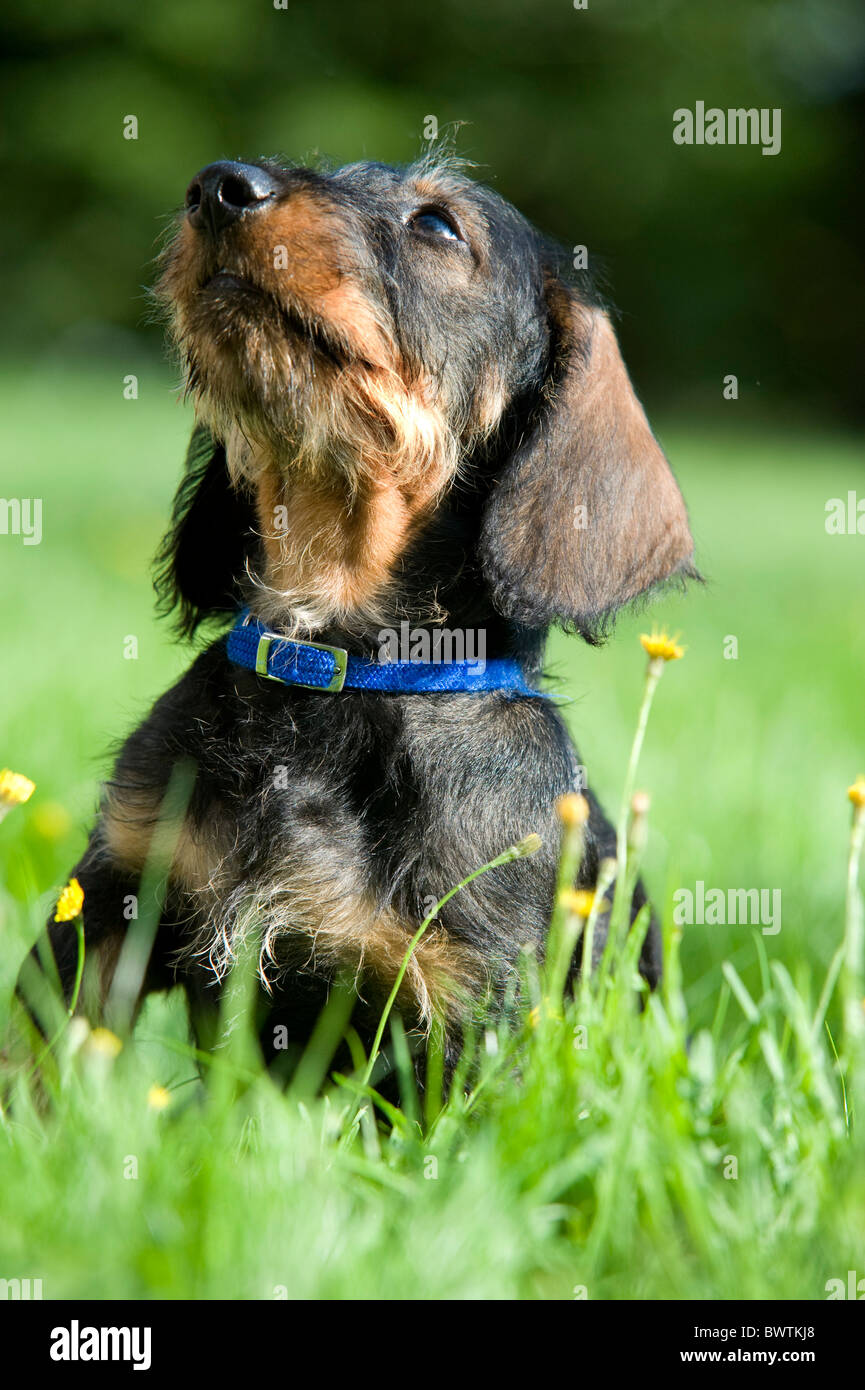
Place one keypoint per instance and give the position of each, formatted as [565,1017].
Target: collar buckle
[339,655]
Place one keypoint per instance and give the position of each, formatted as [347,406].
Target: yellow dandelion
[158,1098]
[15,789]
[580,901]
[856,793]
[105,1043]
[660,646]
[70,902]
[544,1010]
[573,810]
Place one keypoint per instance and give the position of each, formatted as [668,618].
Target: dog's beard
[246,373]
[280,396]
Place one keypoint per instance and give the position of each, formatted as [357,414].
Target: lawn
[703,1149]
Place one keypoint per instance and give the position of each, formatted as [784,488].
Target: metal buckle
[339,654]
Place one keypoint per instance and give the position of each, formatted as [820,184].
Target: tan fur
[310,917]
[490,403]
[320,273]
[317,281]
[191,858]
[322,919]
[330,548]
[334,558]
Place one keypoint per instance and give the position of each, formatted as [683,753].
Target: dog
[408,417]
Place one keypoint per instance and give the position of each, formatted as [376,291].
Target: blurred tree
[724,260]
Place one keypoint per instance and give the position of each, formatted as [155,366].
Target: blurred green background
[722,260]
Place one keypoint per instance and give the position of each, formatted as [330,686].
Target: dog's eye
[433,222]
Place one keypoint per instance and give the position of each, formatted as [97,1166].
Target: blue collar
[317,667]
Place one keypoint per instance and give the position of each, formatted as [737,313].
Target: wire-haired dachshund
[409,420]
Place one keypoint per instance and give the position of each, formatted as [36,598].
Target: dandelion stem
[73,1002]
[605,879]
[653,675]
[79,967]
[565,924]
[854,940]
[529,845]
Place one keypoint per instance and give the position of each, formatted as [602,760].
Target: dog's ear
[212,534]
[586,514]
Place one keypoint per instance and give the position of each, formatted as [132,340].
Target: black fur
[204,554]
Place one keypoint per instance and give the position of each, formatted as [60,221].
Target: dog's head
[358,341]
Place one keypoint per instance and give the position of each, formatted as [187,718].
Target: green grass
[567,1167]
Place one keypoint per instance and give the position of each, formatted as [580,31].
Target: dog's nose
[220,193]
